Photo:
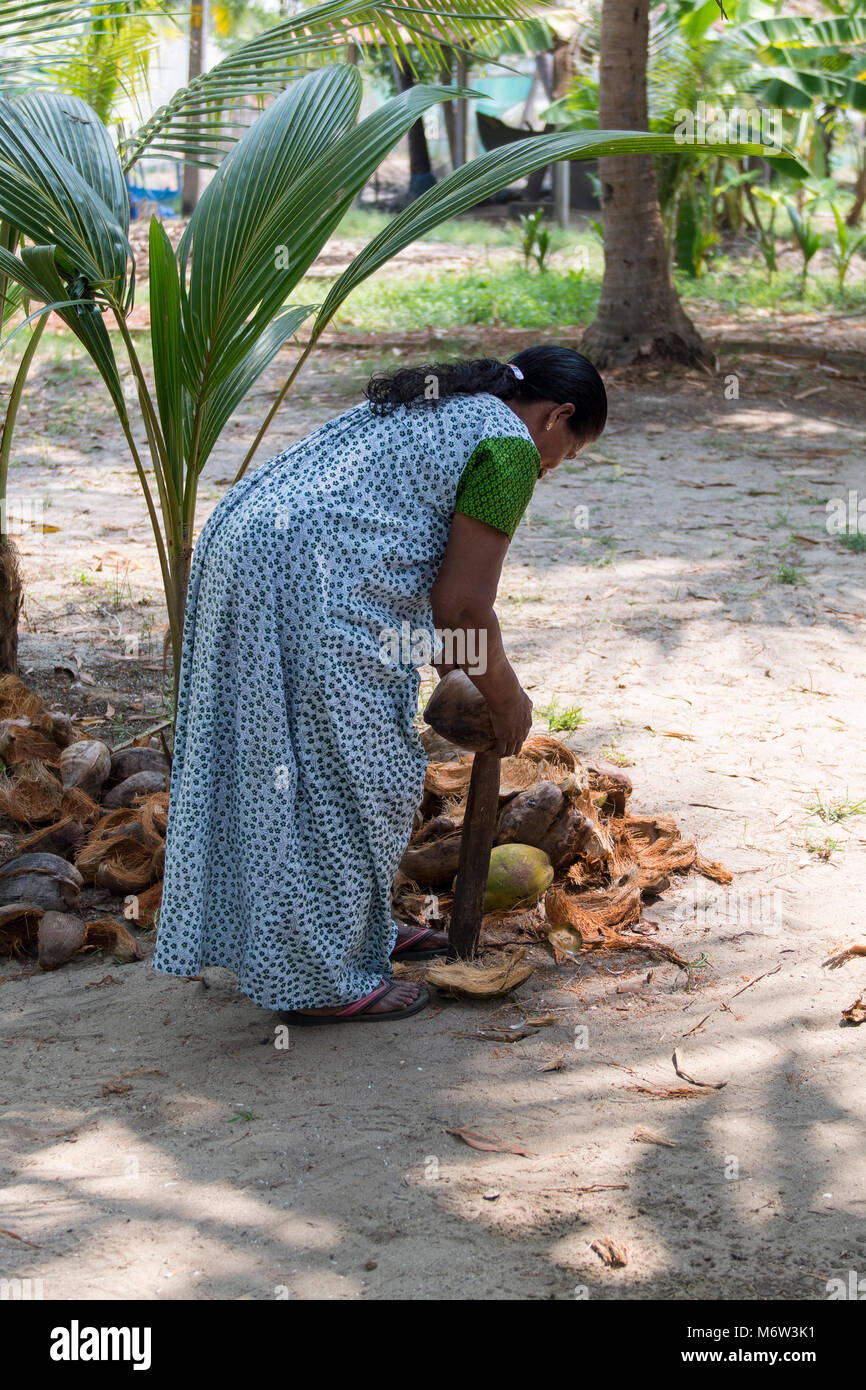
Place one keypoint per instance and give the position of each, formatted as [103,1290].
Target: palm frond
[203,118]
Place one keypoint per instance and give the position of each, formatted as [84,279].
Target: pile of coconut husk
[598,863]
[82,827]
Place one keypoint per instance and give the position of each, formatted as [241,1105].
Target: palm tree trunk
[639,314]
[196,54]
[421,176]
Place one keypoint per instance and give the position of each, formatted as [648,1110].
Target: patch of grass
[790,574]
[498,295]
[836,808]
[616,755]
[854,540]
[823,849]
[562,720]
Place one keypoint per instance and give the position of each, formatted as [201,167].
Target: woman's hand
[511,723]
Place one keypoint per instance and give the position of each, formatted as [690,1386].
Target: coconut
[518,876]
[139,784]
[433,864]
[127,761]
[528,816]
[85,765]
[60,935]
[40,878]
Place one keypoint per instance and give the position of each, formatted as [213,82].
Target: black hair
[549,373]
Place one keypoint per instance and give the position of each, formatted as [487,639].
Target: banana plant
[807,237]
[224,303]
[844,246]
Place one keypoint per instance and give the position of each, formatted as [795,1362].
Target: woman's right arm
[462,598]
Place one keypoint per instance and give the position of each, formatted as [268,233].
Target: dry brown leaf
[487,1145]
[646,1136]
[556,1062]
[842,957]
[856,1013]
[612,1252]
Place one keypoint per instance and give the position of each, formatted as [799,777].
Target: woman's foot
[390,999]
[419,943]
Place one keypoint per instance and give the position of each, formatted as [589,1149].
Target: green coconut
[518,876]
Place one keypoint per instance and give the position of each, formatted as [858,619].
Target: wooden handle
[479,828]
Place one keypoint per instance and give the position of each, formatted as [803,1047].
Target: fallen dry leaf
[611,1252]
[856,1013]
[646,1136]
[842,957]
[487,1145]
[557,1062]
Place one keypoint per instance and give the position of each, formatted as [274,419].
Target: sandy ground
[158,1141]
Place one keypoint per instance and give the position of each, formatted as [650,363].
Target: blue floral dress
[297,768]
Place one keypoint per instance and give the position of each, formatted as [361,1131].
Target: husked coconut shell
[127,761]
[60,935]
[433,864]
[85,765]
[563,841]
[139,784]
[40,878]
[459,712]
[529,815]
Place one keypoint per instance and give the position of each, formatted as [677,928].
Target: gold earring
[549,425]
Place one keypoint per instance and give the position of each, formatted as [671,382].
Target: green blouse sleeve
[497,482]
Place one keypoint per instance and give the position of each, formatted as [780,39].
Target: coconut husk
[20,742]
[128,868]
[18,701]
[487,979]
[31,795]
[113,938]
[592,912]
[660,850]
[60,839]
[19,927]
[142,908]
[76,804]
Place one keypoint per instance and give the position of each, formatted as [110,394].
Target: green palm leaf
[198,121]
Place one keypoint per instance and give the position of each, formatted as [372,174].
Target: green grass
[506,295]
[790,574]
[823,849]
[562,720]
[835,809]
[853,540]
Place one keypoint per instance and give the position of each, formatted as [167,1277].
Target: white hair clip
[516,370]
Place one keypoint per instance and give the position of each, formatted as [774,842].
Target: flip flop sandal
[403,950]
[359,1012]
